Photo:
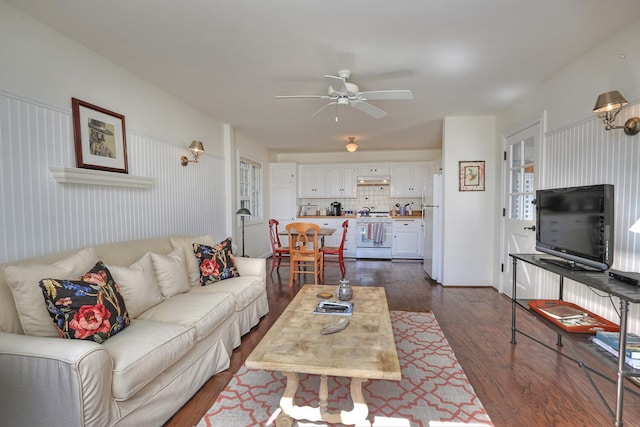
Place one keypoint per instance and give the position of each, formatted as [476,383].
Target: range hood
[373,180]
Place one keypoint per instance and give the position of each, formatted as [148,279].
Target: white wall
[469,226]
[38,215]
[578,151]
[360,156]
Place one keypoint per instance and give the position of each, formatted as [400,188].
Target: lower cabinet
[407,238]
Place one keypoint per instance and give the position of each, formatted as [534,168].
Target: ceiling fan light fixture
[351,146]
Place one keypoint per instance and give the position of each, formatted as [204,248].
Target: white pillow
[138,285]
[171,273]
[24,283]
[186,243]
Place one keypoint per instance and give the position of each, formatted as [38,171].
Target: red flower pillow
[216,263]
[90,308]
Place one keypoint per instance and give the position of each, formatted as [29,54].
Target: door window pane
[521,185]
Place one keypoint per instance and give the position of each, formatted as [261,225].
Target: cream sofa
[143,374]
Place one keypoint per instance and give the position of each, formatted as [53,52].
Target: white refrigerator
[432,216]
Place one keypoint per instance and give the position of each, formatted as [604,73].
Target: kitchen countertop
[416,215]
[325,216]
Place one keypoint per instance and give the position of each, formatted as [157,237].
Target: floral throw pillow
[216,263]
[90,308]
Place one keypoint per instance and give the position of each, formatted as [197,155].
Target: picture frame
[472,175]
[99,138]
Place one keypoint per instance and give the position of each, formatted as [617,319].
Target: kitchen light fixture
[351,146]
[607,107]
[197,149]
[243,212]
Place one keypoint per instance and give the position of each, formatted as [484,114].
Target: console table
[593,279]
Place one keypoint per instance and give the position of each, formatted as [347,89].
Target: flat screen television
[576,224]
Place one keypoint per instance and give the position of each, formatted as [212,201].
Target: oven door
[373,235]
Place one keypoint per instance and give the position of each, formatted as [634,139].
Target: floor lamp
[243,212]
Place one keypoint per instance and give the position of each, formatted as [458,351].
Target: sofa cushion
[143,351]
[24,279]
[216,262]
[186,243]
[244,289]
[138,285]
[171,272]
[204,312]
[90,308]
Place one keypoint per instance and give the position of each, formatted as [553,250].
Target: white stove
[374,236]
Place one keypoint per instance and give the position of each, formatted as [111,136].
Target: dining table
[322,233]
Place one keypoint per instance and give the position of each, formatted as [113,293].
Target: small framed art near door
[99,138]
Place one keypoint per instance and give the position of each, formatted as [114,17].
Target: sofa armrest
[54,381]
[251,266]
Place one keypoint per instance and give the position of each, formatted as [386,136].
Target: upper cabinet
[342,182]
[283,173]
[325,181]
[374,170]
[409,180]
[313,181]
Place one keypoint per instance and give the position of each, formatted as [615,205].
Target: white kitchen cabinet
[314,181]
[282,191]
[374,170]
[407,238]
[283,173]
[408,180]
[342,181]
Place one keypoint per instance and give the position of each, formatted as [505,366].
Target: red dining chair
[280,253]
[336,252]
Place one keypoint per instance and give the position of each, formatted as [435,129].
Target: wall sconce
[608,105]
[351,146]
[197,149]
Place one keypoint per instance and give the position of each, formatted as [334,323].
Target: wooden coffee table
[364,350]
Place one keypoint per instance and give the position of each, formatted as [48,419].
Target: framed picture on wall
[472,175]
[99,138]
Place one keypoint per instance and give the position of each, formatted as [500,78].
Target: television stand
[596,280]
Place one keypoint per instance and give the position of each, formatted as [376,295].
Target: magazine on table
[336,308]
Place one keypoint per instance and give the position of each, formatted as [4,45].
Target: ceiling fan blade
[303,96]
[337,83]
[386,94]
[329,104]
[369,109]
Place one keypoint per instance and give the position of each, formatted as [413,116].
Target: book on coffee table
[336,308]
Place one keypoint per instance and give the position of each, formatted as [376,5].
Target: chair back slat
[301,236]
[273,234]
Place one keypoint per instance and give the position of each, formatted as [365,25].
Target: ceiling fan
[342,92]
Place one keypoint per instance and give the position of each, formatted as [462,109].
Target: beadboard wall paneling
[41,216]
[582,154]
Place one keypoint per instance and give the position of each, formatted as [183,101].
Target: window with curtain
[250,187]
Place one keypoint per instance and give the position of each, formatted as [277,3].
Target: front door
[519,210]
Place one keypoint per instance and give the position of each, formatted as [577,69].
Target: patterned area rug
[434,388]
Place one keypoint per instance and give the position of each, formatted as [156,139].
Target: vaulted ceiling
[230,58]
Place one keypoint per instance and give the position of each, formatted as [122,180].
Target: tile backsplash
[375,197]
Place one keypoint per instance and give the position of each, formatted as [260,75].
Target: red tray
[590,324]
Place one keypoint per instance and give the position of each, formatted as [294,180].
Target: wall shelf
[96,177]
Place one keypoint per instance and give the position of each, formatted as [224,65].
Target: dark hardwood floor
[519,385]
